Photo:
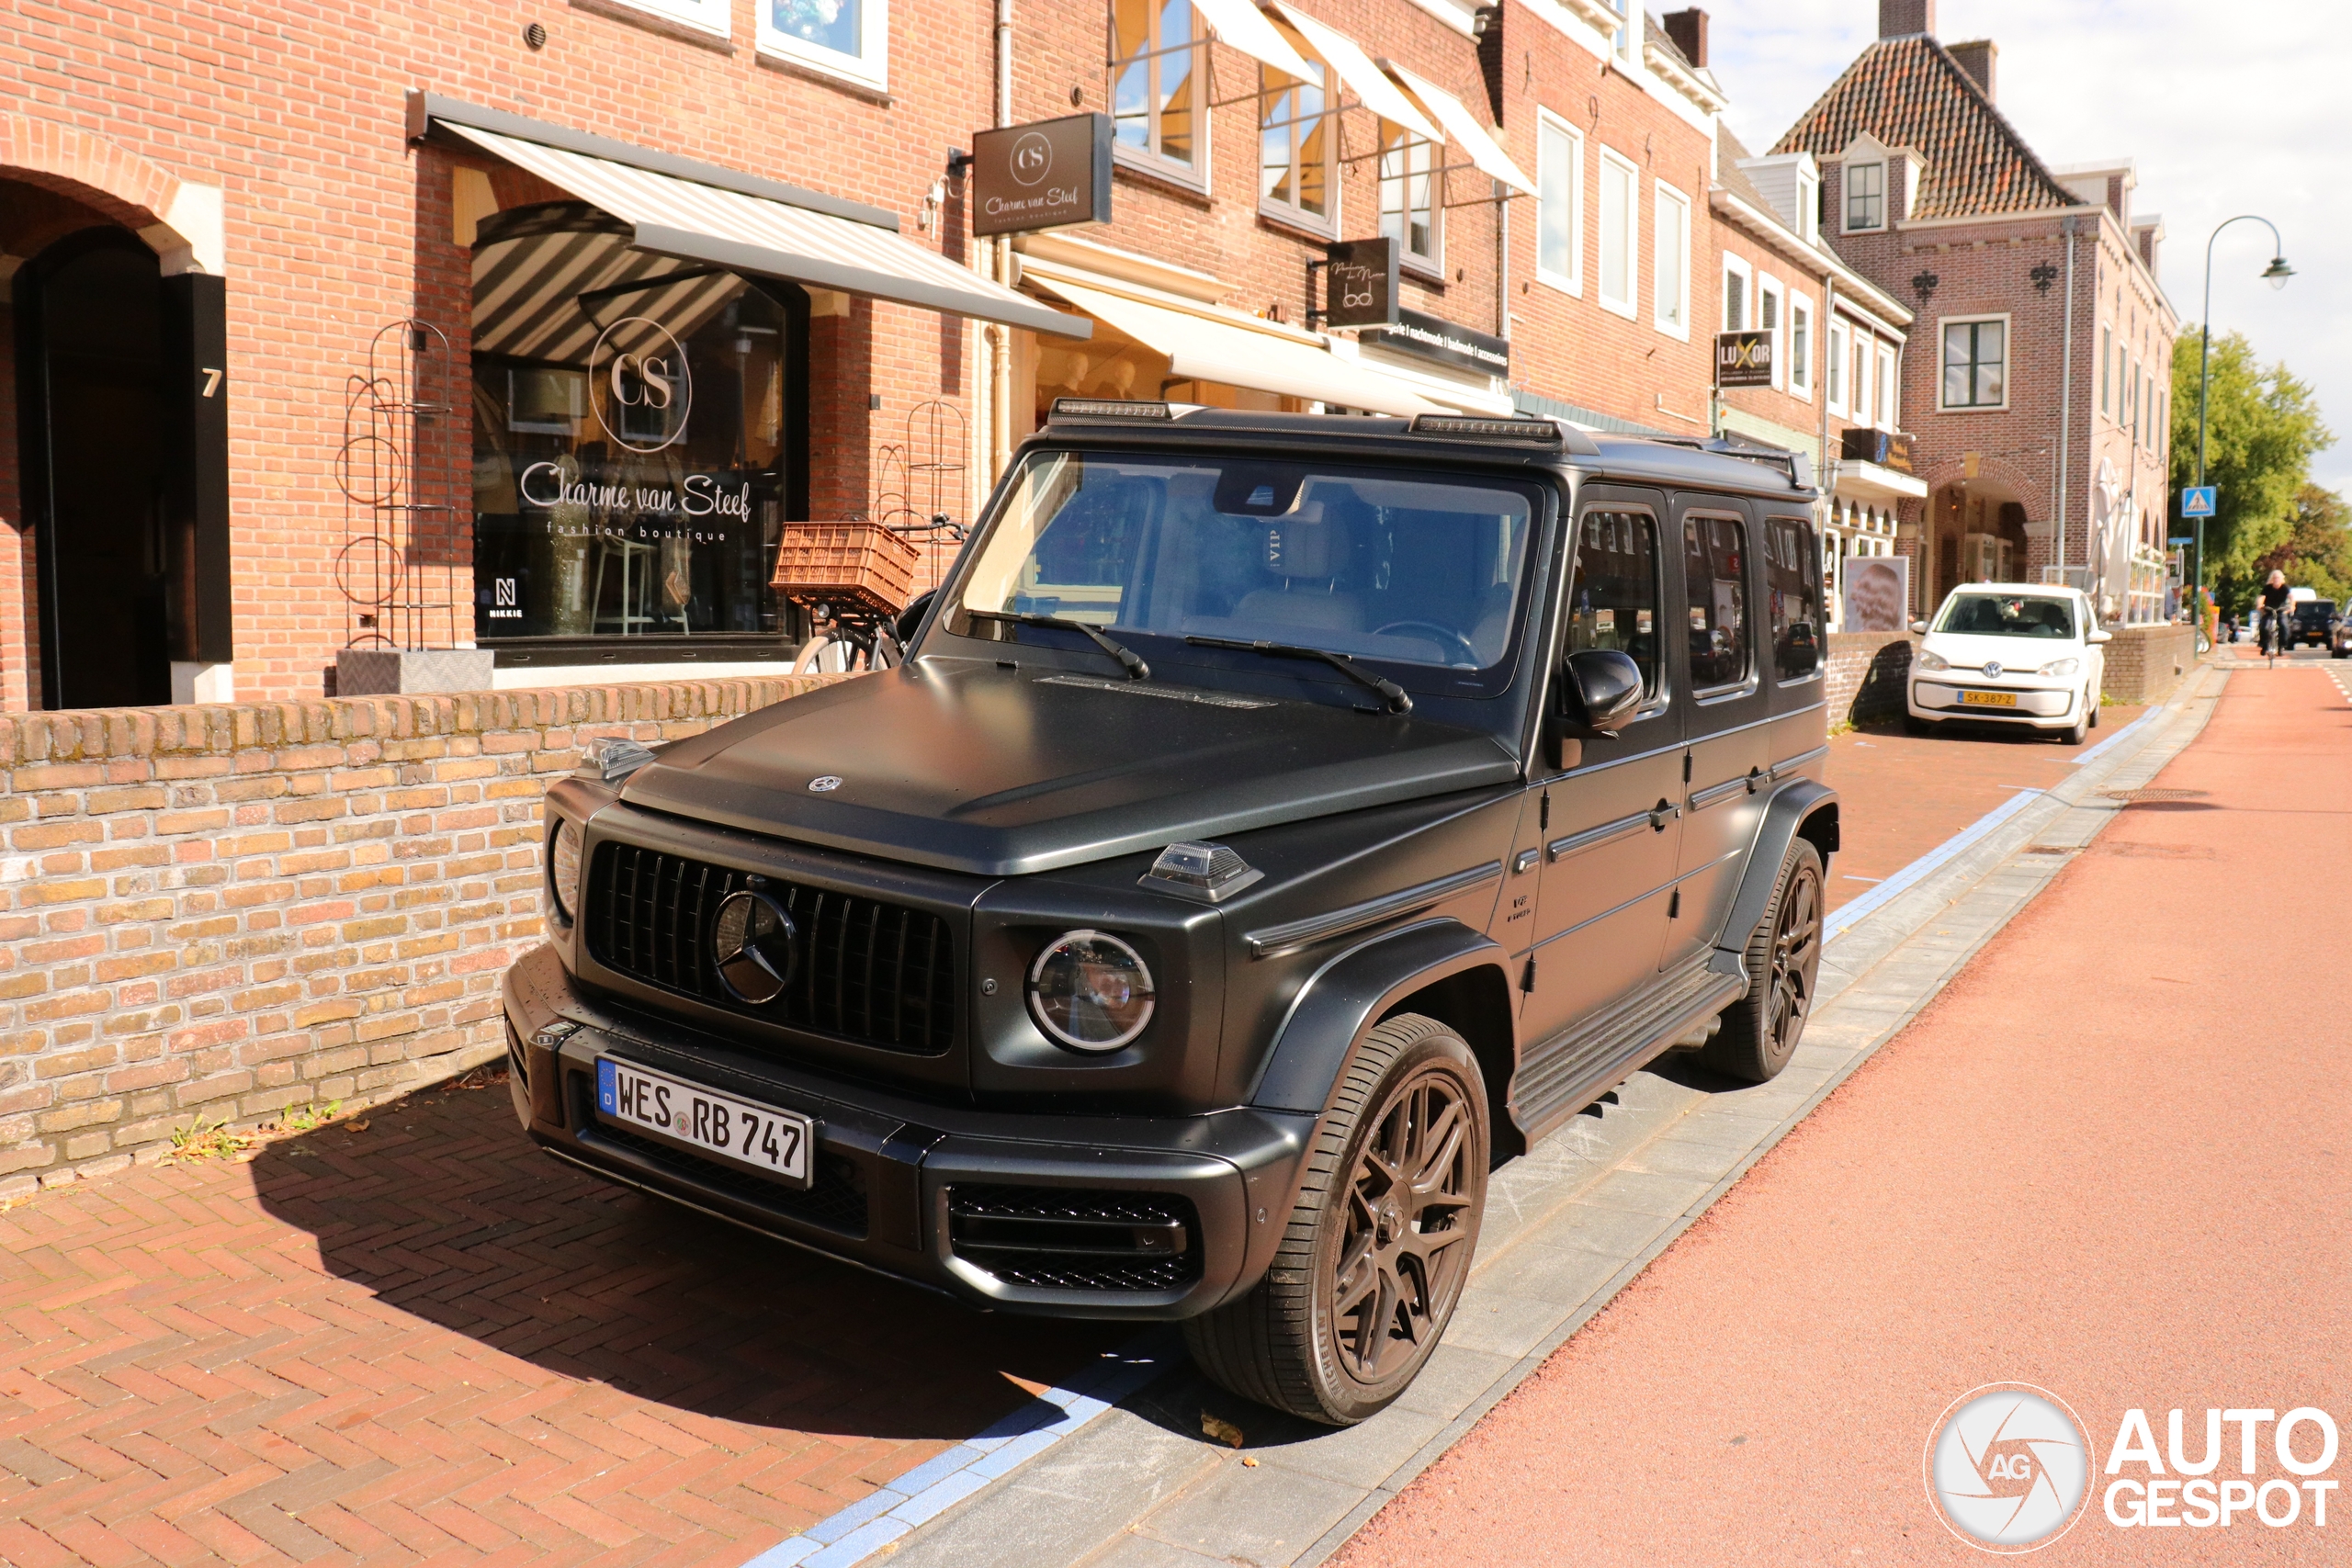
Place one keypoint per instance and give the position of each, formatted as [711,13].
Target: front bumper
[1941,698]
[1055,1215]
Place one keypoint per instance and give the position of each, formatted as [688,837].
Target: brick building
[2038,385]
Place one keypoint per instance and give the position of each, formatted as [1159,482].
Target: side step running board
[1564,1074]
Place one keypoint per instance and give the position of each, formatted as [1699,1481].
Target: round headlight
[1090,990]
[563,868]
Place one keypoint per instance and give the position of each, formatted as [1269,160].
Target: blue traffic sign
[2197,501]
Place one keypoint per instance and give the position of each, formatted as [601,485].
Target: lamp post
[2278,272]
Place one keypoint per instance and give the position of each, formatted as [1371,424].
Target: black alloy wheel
[1379,1241]
[1761,1031]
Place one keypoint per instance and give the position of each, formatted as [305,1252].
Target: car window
[1613,597]
[1792,581]
[1409,568]
[1714,586]
[2009,614]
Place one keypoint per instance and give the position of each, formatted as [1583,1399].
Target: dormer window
[1808,207]
[1865,196]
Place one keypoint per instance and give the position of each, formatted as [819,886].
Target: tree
[2317,552]
[2262,429]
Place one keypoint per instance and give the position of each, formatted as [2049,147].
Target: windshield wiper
[1136,668]
[1398,699]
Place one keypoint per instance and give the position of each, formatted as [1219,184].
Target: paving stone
[1365,1455]
[1645,1193]
[1261,1516]
[1501,1323]
[1564,1275]
[1455,1379]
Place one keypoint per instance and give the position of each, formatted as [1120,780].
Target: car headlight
[2062,667]
[1931,659]
[1090,991]
[563,868]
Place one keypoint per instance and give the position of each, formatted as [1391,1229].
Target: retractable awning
[1355,70]
[672,214]
[1242,24]
[1206,348]
[1484,150]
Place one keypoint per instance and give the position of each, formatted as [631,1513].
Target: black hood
[1001,772]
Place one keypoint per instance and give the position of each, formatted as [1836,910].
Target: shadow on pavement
[443,1208]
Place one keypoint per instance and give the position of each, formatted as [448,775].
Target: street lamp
[2277,274]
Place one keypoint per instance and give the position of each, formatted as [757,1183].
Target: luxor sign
[1042,175]
[1744,359]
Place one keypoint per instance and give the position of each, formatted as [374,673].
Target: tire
[1761,1030]
[2090,708]
[2073,735]
[1302,1341]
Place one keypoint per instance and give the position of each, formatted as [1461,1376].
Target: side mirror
[2100,636]
[903,626]
[1919,627]
[1601,689]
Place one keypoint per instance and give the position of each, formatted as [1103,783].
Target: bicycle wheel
[822,655]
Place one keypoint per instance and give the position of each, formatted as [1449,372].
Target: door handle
[1663,813]
[1526,861]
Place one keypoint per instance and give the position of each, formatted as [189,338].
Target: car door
[1726,722]
[1609,818]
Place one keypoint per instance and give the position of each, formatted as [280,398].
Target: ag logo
[2008,1467]
[1033,159]
[751,944]
[639,385]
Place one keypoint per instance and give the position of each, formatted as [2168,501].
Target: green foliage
[2262,429]
[2317,551]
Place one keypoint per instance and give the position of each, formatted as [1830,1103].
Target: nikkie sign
[1044,175]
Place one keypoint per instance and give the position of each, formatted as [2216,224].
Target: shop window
[1619,205]
[1297,147]
[1793,585]
[639,433]
[1411,208]
[842,37]
[1613,602]
[1865,196]
[1559,216]
[1672,268]
[1714,587]
[1158,90]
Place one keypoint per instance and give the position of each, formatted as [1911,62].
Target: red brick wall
[1867,672]
[224,911]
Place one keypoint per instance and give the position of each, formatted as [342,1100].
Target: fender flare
[1340,1002]
[1794,804]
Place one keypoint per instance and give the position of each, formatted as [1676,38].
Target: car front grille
[875,972]
[1075,1239]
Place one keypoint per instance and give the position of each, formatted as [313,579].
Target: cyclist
[2278,619]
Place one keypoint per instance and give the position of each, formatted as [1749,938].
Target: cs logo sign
[640,384]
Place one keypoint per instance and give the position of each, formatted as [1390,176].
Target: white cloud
[2225,109]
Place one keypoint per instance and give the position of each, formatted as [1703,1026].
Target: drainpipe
[2065,396]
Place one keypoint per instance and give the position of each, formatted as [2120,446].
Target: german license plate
[773,1142]
[1988,699]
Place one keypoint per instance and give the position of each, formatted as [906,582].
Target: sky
[2225,109]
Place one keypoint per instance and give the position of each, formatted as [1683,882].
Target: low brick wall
[224,911]
[2145,663]
[1867,671]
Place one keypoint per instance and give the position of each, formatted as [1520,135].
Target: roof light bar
[1108,408]
[1534,432]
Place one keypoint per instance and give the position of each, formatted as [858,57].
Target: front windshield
[2009,614]
[1421,571]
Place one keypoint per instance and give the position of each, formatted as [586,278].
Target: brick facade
[221,912]
[2145,665]
[1867,673]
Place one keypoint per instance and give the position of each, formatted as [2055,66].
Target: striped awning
[547,291]
[684,219]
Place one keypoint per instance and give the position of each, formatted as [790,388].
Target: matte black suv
[1278,820]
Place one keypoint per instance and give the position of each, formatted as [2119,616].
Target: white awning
[1484,150]
[1242,24]
[1206,348]
[677,216]
[1354,68]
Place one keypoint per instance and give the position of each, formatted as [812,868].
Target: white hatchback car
[2013,653]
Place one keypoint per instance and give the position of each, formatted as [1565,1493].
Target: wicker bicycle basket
[852,566]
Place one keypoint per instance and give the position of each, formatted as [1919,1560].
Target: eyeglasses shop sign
[1041,175]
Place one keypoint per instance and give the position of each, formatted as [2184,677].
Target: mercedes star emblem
[751,944]
[825,785]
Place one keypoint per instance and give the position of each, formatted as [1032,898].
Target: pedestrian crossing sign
[2197,501]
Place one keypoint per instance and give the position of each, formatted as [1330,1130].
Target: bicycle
[849,641]
[2275,637]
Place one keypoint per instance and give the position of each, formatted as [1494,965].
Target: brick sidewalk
[427,1343]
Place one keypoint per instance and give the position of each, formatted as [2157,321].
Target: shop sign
[1887,448]
[693,507]
[1041,175]
[1359,283]
[1744,359]
[1434,338]
[639,386]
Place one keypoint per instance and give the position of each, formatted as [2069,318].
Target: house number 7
[211,380]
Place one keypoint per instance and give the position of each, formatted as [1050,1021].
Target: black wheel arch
[1802,808]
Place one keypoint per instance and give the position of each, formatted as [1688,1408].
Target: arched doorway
[90,349]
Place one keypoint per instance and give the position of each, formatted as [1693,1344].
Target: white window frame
[868,68]
[1734,266]
[1398,142]
[1298,130]
[1625,40]
[1193,175]
[1629,306]
[1857,396]
[1888,409]
[714,17]
[1768,287]
[1801,359]
[2106,370]
[1674,323]
[1846,199]
[1834,367]
[1549,130]
[1808,207]
[2009,361]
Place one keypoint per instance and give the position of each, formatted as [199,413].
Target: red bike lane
[2113,1160]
